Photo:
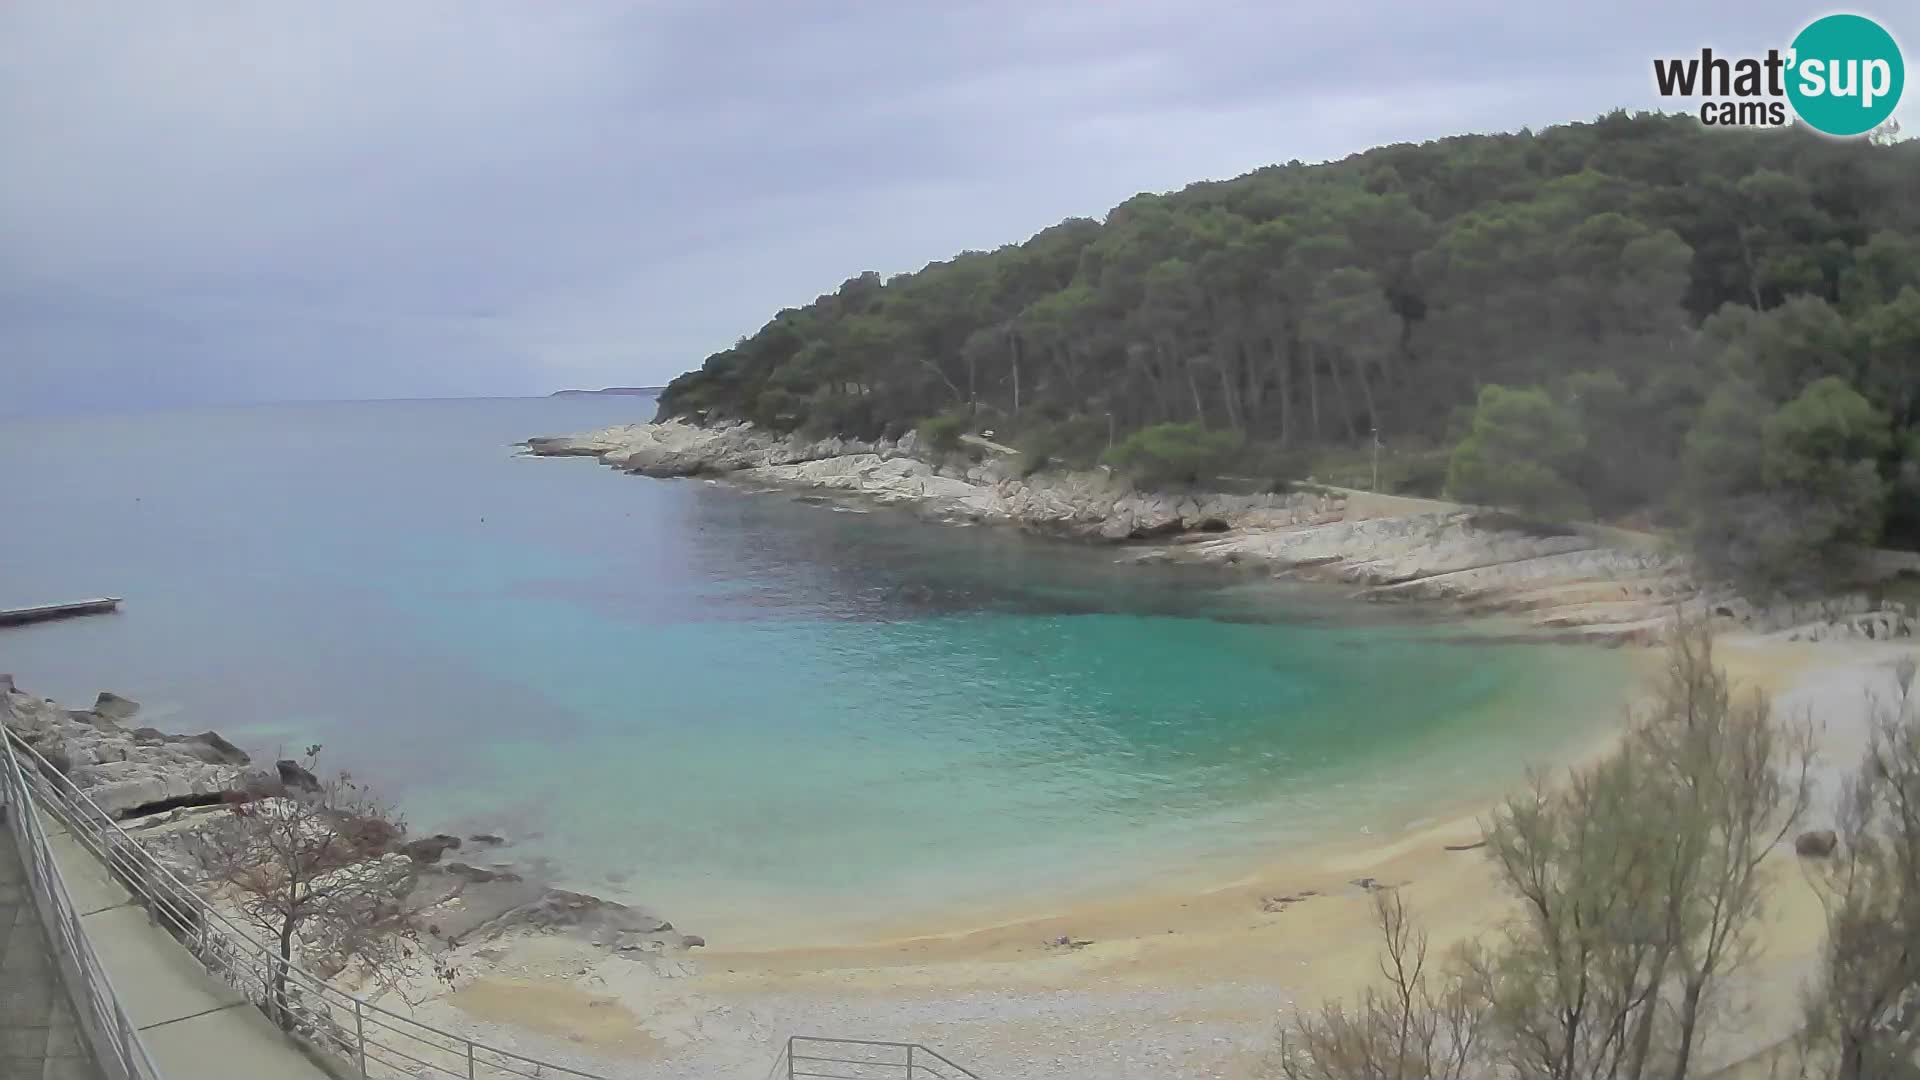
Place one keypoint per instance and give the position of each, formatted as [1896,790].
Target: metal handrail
[117,1046]
[865,1059]
[322,1015]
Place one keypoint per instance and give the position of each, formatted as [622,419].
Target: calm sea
[743,709]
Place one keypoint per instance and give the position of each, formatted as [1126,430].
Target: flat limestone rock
[464,904]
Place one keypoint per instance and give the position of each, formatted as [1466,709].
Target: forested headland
[1638,320]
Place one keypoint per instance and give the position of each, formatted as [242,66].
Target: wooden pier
[45,612]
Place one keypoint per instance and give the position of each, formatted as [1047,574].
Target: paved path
[195,1026]
[38,1039]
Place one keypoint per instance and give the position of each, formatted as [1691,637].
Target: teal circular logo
[1846,75]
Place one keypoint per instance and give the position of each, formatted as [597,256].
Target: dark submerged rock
[479,874]
[1817,844]
[428,849]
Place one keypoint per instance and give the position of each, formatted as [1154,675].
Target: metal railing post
[360,1037]
[826,1053]
[469,1059]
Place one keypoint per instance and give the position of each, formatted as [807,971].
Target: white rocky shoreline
[1585,584]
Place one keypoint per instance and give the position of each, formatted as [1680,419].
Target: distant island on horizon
[629,391]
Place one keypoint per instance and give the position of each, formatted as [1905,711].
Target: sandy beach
[1182,979]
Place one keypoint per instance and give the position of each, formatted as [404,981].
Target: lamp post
[1376,460]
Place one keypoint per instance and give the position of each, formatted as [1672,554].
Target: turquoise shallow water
[736,707]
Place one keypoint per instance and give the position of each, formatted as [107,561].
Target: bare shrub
[1638,879]
[1863,1012]
[1418,1025]
[312,866]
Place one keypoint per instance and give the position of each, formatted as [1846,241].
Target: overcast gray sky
[230,200]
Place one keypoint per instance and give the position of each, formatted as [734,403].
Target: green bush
[943,432]
[1417,472]
[1423,474]
[1274,468]
[1782,501]
[1075,442]
[1517,453]
[1902,591]
[1174,454]
[827,413]
[778,410]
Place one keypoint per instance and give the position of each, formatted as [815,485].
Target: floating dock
[45,612]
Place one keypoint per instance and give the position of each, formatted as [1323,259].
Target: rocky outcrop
[208,746]
[676,448]
[295,776]
[558,910]
[1579,585]
[114,707]
[1091,504]
[121,768]
[179,783]
[465,905]
[450,926]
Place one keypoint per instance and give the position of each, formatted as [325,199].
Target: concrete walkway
[195,1026]
[38,1039]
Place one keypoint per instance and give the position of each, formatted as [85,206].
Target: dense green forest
[1637,319]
